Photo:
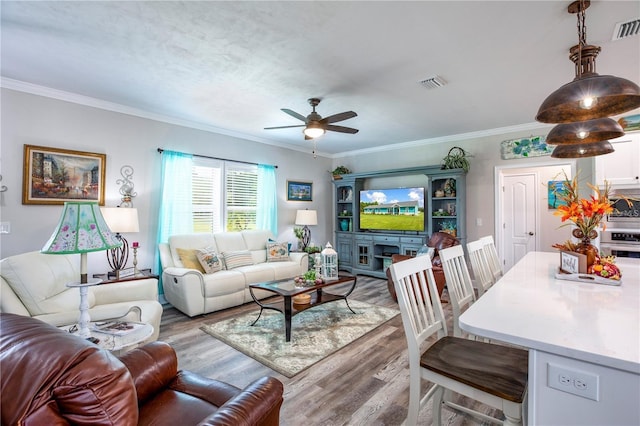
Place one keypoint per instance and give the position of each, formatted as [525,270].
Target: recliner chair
[52,377]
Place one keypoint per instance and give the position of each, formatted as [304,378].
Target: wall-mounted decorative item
[533,146]
[554,187]
[53,176]
[456,158]
[3,188]
[299,191]
[126,188]
[630,123]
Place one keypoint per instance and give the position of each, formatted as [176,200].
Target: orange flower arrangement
[585,214]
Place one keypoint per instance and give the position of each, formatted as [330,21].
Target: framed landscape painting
[53,176]
[299,191]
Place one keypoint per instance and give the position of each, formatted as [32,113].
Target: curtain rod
[160,150]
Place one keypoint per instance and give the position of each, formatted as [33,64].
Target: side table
[118,343]
[142,274]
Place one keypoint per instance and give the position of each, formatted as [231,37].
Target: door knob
[530,233]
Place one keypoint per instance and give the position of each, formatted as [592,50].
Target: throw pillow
[277,252]
[189,259]
[210,260]
[235,259]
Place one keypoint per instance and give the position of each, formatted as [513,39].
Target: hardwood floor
[365,383]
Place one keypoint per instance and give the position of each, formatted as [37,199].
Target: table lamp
[81,229]
[120,219]
[306,218]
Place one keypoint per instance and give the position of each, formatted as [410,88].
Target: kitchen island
[583,340]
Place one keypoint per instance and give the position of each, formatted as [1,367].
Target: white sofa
[194,292]
[35,284]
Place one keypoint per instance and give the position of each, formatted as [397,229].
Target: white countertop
[591,322]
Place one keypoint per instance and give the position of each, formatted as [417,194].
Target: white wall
[128,140]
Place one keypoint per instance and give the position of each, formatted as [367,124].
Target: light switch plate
[5,227]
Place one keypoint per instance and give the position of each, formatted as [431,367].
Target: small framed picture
[573,263]
[299,191]
[124,273]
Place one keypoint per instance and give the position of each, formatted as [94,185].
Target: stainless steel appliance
[622,236]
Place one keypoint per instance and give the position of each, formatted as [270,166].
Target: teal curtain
[176,212]
[267,205]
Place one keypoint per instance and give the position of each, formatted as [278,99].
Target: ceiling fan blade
[294,114]
[342,129]
[284,127]
[339,117]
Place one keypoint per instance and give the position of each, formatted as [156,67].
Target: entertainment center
[435,195]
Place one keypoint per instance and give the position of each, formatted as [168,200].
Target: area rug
[315,333]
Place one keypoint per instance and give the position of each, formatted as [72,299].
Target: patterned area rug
[315,333]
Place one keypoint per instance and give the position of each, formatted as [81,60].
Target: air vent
[626,29]
[433,82]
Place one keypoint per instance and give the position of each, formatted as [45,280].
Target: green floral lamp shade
[81,229]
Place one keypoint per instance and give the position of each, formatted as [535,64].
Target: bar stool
[480,265]
[492,374]
[492,255]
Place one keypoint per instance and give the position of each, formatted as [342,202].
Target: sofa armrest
[152,367]
[257,404]
[125,291]
[301,258]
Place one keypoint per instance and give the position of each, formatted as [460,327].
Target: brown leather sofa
[51,377]
[439,241]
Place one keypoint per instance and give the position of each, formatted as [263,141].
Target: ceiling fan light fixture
[589,95]
[582,150]
[582,132]
[313,130]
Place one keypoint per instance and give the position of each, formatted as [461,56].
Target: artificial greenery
[340,170]
[457,158]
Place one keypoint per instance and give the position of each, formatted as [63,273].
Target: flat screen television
[394,209]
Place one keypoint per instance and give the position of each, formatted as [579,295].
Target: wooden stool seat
[497,370]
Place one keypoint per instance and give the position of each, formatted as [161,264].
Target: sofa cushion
[43,289]
[255,239]
[230,241]
[189,259]
[235,259]
[210,260]
[189,241]
[277,252]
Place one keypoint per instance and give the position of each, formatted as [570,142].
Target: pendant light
[582,150]
[584,132]
[589,95]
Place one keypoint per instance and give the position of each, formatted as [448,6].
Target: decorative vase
[585,247]
[344,225]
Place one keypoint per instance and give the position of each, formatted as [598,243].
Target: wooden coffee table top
[287,287]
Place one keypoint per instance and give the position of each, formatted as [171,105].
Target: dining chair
[492,255]
[482,273]
[459,286]
[491,374]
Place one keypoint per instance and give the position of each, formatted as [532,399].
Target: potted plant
[457,158]
[339,171]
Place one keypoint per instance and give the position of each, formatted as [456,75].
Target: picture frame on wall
[53,176]
[299,191]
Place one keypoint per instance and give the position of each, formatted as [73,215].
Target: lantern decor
[317,264]
[329,263]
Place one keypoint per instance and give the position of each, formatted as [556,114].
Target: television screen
[396,209]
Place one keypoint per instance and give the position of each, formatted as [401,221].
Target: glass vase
[585,247]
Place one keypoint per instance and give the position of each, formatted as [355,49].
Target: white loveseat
[194,292]
[35,284]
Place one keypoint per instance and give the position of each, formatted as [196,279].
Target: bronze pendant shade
[582,150]
[584,132]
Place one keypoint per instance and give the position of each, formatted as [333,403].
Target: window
[224,195]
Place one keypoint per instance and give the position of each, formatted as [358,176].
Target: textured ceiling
[233,65]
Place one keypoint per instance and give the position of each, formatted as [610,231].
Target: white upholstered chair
[482,273]
[492,255]
[459,286]
[494,375]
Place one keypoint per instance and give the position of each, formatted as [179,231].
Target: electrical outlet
[573,381]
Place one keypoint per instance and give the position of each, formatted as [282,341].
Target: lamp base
[84,319]
[306,237]
[119,256]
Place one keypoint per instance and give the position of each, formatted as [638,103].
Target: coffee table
[287,289]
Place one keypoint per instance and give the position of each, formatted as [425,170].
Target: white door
[518,216]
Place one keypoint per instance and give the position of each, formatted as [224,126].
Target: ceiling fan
[315,125]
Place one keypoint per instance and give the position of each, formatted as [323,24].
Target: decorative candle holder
[135,246]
